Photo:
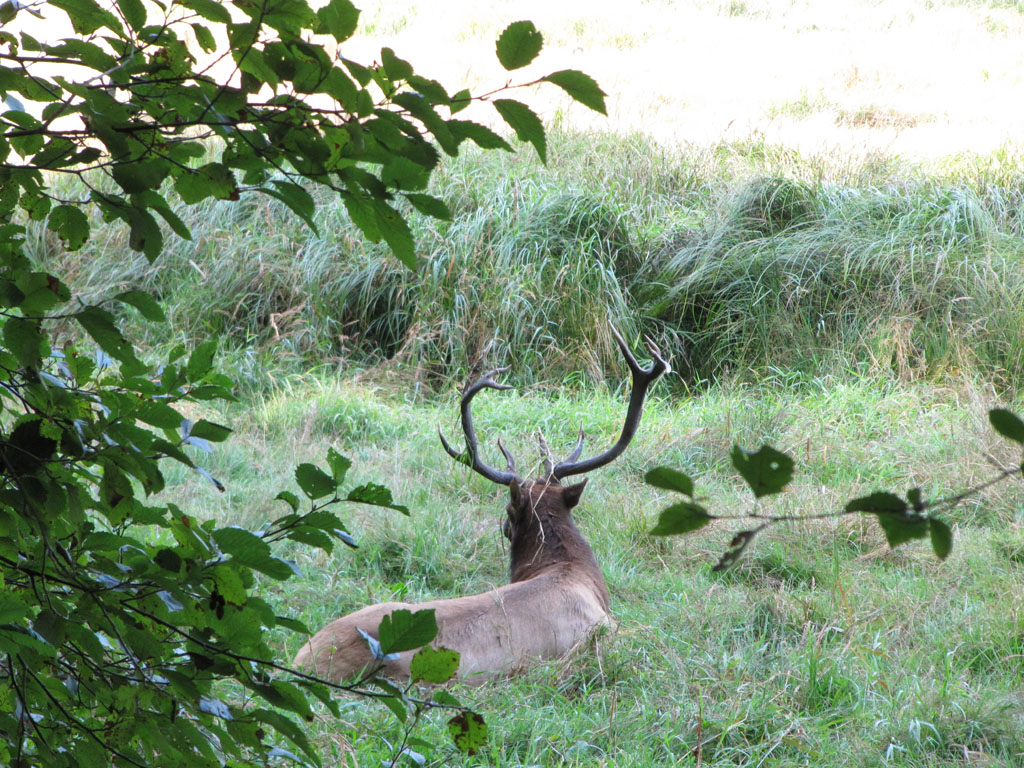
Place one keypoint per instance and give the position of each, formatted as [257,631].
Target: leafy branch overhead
[768,471]
[133,98]
[121,616]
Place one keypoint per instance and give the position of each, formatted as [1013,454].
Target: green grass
[822,647]
[862,316]
[737,258]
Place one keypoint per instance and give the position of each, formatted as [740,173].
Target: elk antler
[642,380]
[492,474]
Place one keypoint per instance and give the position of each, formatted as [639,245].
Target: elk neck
[545,539]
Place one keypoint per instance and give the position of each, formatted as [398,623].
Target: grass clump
[738,259]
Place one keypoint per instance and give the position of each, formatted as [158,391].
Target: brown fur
[556,597]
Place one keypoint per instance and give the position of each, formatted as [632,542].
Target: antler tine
[545,456]
[642,380]
[577,450]
[494,475]
[509,461]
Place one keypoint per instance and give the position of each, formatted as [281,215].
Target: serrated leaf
[942,538]
[670,479]
[901,527]
[71,226]
[290,499]
[429,205]
[1007,424]
[581,87]
[518,45]
[469,732]
[145,303]
[25,340]
[209,430]
[880,501]
[314,482]
[434,665]
[395,67]
[241,544]
[339,465]
[525,123]
[339,18]
[404,630]
[376,495]
[681,518]
[766,470]
[201,361]
[298,200]
[99,324]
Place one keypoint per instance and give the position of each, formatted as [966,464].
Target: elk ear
[571,494]
[514,492]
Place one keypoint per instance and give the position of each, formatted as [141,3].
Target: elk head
[539,523]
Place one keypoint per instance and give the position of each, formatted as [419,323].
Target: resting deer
[557,593]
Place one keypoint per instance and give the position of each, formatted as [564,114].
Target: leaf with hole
[767,471]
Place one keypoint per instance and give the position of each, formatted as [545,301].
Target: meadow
[859,307]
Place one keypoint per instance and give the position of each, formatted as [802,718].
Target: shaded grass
[739,259]
[822,647]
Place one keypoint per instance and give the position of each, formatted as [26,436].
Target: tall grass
[737,258]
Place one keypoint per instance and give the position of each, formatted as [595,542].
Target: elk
[557,594]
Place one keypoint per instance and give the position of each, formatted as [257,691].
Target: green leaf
[314,482]
[376,495]
[581,87]
[434,665]
[339,18]
[525,123]
[99,324]
[518,45]
[298,200]
[134,13]
[211,180]
[481,135]
[429,206]
[145,303]
[942,538]
[71,226]
[339,465]
[1007,424]
[902,527]
[209,430]
[244,545]
[404,630]
[200,362]
[468,731]
[766,471]
[25,340]
[208,9]
[880,501]
[396,233]
[290,499]
[681,518]
[670,479]
[394,67]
